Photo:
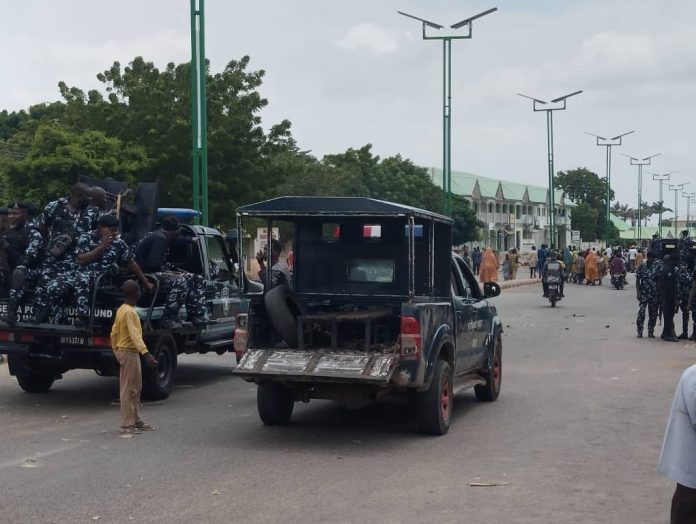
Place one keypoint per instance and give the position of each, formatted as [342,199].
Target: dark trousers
[683,505]
[668,311]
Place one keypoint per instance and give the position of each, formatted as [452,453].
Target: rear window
[371,270]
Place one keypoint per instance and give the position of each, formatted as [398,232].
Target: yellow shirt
[127,333]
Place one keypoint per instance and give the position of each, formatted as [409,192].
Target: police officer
[21,246]
[669,296]
[685,279]
[179,287]
[684,244]
[646,291]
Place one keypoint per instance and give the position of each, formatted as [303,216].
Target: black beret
[108,220]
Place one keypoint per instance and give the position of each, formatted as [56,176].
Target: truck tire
[159,382]
[35,383]
[493,375]
[283,310]
[275,403]
[434,407]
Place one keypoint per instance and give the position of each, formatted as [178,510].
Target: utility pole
[447,95]
[536,103]
[199,119]
[689,197]
[640,163]
[661,178]
[676,188]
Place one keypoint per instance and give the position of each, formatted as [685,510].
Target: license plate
[72,341]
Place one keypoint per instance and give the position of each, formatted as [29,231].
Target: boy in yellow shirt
[127,344]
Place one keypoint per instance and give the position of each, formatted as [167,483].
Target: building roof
[620,224]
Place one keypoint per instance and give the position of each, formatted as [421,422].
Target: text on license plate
[72,341]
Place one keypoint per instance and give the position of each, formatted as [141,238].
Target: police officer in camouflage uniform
[62,222]
[646,290]
[21,246]
[179,287]
[684,244]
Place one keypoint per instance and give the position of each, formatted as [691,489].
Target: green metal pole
[449,127]
[204,116]
[552,196]
[195,158]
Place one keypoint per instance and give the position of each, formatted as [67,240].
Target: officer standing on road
[21,246]
[179,287]
[646,290]
[684,244]
[669,296]
[685,279]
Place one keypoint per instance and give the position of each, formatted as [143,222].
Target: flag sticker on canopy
[372,231]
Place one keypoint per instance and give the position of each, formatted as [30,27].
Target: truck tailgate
[318,365]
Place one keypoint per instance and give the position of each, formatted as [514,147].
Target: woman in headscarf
[591,272]
[488,272]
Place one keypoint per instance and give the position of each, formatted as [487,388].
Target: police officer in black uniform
[669,296]
[21,248]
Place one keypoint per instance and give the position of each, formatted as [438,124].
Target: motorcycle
[618,280]
[554,292]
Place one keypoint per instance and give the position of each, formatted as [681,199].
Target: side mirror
[491,289]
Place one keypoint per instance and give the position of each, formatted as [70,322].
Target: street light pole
[640,163]
[688,197]
[609,143]
[199,144]
[536,102]
[661,178]
[676,188]
[447,94]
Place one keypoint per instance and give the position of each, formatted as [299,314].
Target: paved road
[575,435]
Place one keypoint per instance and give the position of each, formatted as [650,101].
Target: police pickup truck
[38,354]
[379,306]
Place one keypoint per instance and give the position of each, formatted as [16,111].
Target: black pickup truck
[379,306]
[40,353]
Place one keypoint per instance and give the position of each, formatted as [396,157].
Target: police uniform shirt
[151,252]
[117,253]
[669,282]
[58,219]
[25,246]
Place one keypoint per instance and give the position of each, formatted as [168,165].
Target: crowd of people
[62,250]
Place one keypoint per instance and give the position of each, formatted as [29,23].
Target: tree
[57,157]
[466,227]
[584,219]
[583,186]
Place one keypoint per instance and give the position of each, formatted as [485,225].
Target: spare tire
[283,309]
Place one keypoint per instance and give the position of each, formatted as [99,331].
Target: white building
[514,214]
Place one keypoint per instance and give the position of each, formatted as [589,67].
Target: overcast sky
[353,72]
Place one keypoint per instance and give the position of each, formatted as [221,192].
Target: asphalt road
[574,438]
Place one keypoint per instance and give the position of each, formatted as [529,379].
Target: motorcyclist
[553,273]
[617,267]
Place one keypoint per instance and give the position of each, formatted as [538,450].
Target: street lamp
[640,163]
[609,143]
[661,178]
[536,102]
[447,94]
[676,188]
[688,197]
[199,119]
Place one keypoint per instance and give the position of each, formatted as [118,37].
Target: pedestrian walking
[601,267]
[476,259]
[127,344]
[646,292]
[632,259]
[506,267]
[591,273]
[532,260]
[580,269]
[489,267]
[684,280]
[678,456]
[514,263]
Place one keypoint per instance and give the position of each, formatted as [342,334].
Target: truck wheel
[434,407]
[283,310]
[275,403]
[35,383]
[493,375]
[159,382]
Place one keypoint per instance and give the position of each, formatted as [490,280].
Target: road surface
[574,438]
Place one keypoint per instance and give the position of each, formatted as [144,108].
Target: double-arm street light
[640,162]
[609,143]
[559,105]
[676,188]
[661,177]
[447,93]
[689,197]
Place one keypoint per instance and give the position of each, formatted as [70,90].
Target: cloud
[372,37]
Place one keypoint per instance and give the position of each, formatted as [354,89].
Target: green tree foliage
[583,186]
[584,219]
[466,226]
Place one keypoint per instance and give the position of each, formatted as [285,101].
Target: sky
[350,73]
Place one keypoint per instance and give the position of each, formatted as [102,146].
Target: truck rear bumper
[317,366]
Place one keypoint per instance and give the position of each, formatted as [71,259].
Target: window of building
[497,208]
[490,207]
[518,212]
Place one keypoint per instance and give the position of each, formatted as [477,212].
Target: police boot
[11,317]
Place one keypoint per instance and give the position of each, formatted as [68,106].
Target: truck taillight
[4,336]
[241,335]
[410,338]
